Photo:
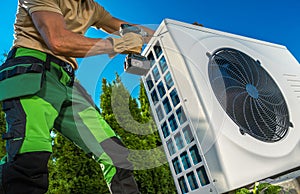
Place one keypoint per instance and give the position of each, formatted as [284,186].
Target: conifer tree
[2,130]
[2,117]
[72,171]
[163,181]
[137,130]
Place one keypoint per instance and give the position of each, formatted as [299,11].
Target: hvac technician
[39,93]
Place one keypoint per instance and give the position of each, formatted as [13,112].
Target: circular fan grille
[249,95]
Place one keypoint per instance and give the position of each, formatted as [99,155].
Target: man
[39,93]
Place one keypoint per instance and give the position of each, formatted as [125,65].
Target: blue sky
[268,20]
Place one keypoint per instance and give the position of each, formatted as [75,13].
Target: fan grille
[249,95]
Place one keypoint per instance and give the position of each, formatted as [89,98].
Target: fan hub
[252,91]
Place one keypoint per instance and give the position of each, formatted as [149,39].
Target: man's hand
[129,43]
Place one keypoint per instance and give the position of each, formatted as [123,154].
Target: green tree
[2,116]
[138,131]
[2,130]
[145,105]
[71,171]
[263,188]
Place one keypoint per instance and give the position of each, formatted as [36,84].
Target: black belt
[66,66]
[50,58]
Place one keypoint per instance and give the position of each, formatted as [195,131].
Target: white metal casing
[231,160]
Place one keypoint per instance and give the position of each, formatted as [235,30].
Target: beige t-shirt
[79,15]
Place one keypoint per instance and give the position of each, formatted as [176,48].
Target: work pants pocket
[20,79]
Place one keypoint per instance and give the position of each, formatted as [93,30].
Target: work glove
[128,43]
[126,28]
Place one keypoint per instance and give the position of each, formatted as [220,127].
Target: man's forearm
[75,45]
[62,41]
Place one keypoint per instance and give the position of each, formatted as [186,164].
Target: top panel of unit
[168,24]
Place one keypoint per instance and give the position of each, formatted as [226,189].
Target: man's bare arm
[62,41]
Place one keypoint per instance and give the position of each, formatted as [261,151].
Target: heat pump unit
[227,107]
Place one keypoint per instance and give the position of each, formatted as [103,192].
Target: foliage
[2,117]
[261,188]
[2,130]
[71,171]
[138,132]
[243,191]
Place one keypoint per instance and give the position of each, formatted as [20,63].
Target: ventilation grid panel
[249,95]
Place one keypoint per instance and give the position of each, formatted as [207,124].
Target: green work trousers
[63,104]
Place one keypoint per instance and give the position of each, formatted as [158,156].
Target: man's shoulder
[40,5]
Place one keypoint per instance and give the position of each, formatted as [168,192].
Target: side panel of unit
[170,92]
[192,89]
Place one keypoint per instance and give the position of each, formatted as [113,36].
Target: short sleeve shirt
[79,15]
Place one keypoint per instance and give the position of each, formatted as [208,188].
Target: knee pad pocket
[28,171]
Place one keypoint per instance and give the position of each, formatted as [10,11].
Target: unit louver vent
[249,95]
